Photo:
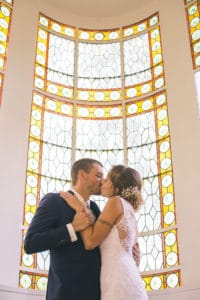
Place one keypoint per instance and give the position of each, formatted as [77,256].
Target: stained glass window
[192,8]
[5,20]
[101,94]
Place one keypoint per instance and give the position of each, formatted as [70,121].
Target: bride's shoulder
[114,201]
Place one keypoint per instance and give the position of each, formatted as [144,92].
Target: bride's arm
[92,236]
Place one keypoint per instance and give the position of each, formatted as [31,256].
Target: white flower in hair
[129,191]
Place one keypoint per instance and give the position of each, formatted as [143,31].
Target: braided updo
[128,184]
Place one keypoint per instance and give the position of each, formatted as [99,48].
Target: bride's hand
[72,201]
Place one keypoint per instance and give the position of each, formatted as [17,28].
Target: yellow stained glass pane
[27,260]
[193,18]
[171,253]
[140,27]
[138,106]
[96,112]
[26,280]
[160,281]
[135,29]
[188,1]
[154,282]
[41,282]
[99,95]
[60,107]
[57,27]
[99,35]
[30,280]
[9,1]
[139,90]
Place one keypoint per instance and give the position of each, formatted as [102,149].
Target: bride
[116,232]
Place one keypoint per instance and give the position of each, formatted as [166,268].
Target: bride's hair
[128,184]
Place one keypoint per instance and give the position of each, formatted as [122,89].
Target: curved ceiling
[98,8]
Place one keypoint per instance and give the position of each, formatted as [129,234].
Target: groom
[74,272]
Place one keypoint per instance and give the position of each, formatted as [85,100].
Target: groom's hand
[81,221]
[136,253]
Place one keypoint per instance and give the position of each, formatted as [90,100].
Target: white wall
[182,293]
[10,293]
[184,130]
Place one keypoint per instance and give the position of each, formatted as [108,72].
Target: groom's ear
[81,174]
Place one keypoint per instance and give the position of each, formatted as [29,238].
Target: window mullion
[123,100]
[73,154]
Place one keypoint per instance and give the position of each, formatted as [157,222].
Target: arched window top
[98,35]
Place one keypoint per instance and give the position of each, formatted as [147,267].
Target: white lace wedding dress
[120,278]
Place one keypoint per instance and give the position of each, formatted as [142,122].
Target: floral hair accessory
[129,191]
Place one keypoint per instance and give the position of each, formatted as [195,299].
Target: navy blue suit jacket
[74,272]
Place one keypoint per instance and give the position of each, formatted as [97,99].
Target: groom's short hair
[84,164]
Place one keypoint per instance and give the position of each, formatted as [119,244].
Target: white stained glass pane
[151,249]
[149,215]
[138,78]
[100,201]
[56,161]
[144,159]
[61,60]
[99,134]
[99,66]
[107,158]
[141,141]
[197,83]
[43,260]
[137,60]
[141,130]
[51,185]
[57,130]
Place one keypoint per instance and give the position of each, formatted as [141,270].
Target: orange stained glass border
[90,110]
[160,281]
[99,35]
[57,27]
[188,1]
[154,282]
[142,26]
[5,17]
[192,9]
[59,99]
[34,281]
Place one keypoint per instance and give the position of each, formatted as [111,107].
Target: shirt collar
[80,198]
